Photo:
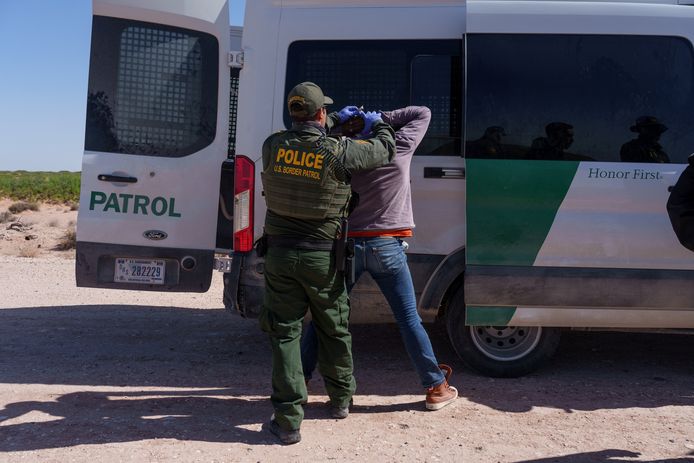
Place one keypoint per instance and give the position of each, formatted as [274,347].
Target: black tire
[499,351]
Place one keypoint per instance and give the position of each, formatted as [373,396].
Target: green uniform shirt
[354,155]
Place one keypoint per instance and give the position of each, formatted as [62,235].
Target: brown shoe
[443,394]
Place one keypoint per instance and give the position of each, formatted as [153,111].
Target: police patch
[298,162]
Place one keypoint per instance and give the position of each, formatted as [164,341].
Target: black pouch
[349,263]
[261,245]
[341,246]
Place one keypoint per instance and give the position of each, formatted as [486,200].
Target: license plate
[139,271]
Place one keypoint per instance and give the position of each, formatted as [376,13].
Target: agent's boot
[443,394]
[285,436]
[340,413]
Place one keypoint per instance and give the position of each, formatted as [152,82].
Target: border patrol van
[539,191]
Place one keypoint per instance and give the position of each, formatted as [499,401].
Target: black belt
[309,244]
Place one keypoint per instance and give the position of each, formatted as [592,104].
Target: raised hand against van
[370,118]
[348,111]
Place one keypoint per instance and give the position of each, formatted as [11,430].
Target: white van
[539,191]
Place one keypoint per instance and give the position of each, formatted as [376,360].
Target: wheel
[499,351]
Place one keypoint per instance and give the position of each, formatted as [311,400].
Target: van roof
[431,3]
[368,3]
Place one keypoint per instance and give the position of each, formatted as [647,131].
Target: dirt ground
[36,233]
[97,375]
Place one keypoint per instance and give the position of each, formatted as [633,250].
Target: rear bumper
[95,267]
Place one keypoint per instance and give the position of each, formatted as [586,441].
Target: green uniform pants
[297,280]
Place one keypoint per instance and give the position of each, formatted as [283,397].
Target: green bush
[58,187]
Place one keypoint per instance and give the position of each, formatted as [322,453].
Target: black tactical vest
[305,180]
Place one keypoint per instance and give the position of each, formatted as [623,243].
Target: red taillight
[244,182]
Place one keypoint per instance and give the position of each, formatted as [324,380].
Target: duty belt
[309,244]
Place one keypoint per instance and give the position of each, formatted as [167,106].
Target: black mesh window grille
[152,89]
[437,83]
[159,83]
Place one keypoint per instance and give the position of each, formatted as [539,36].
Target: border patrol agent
[306,177]
[680,206]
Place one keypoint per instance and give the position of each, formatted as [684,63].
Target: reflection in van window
[560,137]
[152,89]
[489,145]
[645,147]
[388,74]
[598,85]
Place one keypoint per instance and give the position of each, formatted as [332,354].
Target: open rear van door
[156,136]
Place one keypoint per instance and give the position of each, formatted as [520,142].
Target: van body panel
[617,318]
[633,227]
[328,4]
[157,130]
[205,16]
[540,17]
[567,288]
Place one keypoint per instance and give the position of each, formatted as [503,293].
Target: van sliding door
[556,194]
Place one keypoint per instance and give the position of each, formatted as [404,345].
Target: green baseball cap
[306,99]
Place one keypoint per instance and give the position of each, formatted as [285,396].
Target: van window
[388,74]
[152,89]
[580,97]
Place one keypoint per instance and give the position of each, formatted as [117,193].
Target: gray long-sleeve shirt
[385,202]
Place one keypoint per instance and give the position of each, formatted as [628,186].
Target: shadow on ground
[229,358]
[604,456]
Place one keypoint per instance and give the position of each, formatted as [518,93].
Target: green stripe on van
[488,316]
[511,205]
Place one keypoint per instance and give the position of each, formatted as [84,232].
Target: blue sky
[44,48]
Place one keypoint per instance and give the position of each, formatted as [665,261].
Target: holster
[261,245]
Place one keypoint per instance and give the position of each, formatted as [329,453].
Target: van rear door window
[152,89]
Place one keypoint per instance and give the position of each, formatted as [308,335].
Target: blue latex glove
[370,118]
[347,112]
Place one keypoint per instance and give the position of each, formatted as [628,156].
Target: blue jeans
[385,260]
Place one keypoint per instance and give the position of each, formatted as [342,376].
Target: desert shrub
[6,216]
[29,250]
[68,241]
[22,206]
